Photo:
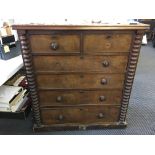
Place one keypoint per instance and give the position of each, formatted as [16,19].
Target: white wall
[57,10]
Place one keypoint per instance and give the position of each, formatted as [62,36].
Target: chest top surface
[138,26]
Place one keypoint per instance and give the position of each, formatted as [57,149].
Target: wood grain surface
[81,97]
[105,64]
[80,81]
[89,114]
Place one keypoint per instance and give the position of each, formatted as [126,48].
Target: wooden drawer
[80,81]
[61,98]
[107,42]
[80,115]
[106,64]
[57,44]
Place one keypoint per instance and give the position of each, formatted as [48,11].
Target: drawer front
[60,98]
[106,64]
[55,43]
[91,114]
[80,81]
[99,43]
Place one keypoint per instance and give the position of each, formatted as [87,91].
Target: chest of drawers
[80,77]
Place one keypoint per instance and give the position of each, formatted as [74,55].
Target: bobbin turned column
[131,69]
[27,59]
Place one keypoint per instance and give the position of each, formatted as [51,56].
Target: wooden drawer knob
[102,98]
[108,45]
[100,115]
[60,117]
[59,99]
[54,45]
[108,37]
[103,81]
[105,63]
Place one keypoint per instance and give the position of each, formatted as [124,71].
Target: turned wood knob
[108,36]
[100,115]
[54,45]
[61,117]
[107,45]
[105,63]
[103,81]
[102,98]
[59,98]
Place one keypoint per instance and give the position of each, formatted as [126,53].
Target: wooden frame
[30,76]
[131,69]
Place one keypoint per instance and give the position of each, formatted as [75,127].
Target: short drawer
[79,81]
[81,97]
[106,64]
[65,43]
[107,42]
[80,115]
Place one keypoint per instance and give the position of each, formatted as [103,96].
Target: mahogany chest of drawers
[80,77]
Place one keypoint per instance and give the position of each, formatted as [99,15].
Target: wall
[74,10]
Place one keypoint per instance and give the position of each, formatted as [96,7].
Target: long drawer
[81,97]
[80,115]
[80,81]
[106,64]
[107,42]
